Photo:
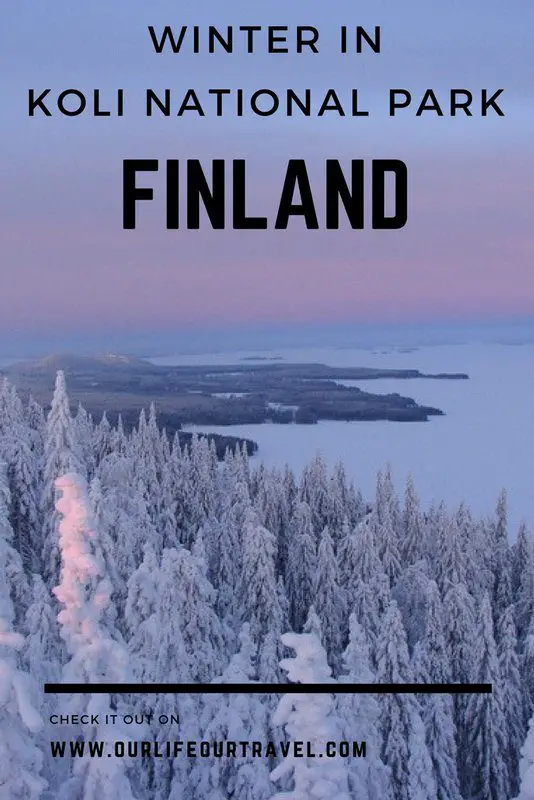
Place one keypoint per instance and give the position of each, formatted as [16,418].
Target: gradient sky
[67,265]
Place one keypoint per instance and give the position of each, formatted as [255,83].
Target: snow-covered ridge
[69,362]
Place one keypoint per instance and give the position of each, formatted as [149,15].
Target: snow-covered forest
[126,558]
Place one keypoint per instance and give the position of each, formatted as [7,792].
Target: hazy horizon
[196,339]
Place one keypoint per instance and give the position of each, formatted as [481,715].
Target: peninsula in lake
[271,391]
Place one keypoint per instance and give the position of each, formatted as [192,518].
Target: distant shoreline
[247,393]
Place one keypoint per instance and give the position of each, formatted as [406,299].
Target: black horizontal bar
[267,688]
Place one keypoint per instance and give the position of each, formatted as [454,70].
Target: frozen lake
[484,443]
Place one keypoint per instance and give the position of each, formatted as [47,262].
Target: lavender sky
[68,266]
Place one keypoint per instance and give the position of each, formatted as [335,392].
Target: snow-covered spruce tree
[154,477]
[148,646]
[227,557]
[450,548]
[502,562]
[61,456]
[485,769]
[431,665]
[176,637]
[301,565]
[269,508]
[260,603]
[387,538]
[234,716]
[25,514]
[166,521]
[200,627]
[23,474]
[347,559]
[196,488]
[412,544]
[458,621]
[475,538]
[520,555]
[328,600]
[12,568]
[313,489]
[84,433]
[11,415]
[158,654]
[310,718]
[458,614]
[20,760]
[41,655]
[238,466]
[95,655]
[369,778]
[102,439]
[41,630]
[411,594]
[527,669]
[290,489]
[106,547]
[141,604]
[526,766]
[404,747]
[523,582]
[283,602]
[386,497]
[512,699]
[368,591]
[145,443]
[36,422]
[117,438]
[339,506]
[313,624]
[126,515]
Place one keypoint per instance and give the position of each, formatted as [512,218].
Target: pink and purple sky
[466,252]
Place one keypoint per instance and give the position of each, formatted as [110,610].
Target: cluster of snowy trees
[125,557]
